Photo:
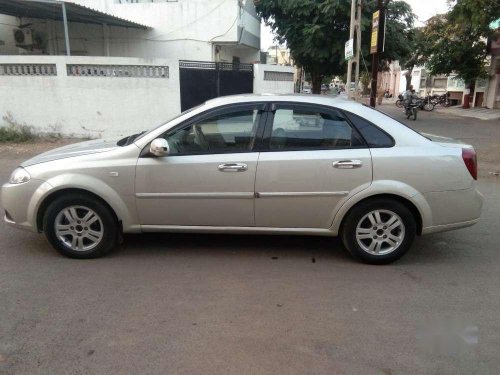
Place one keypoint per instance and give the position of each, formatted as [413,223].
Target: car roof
[403,135]
[339,102]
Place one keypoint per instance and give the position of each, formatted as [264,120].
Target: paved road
[210,304]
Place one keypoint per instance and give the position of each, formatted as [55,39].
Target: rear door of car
[311,161]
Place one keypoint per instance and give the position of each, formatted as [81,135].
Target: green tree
[417,55]
[475,15]
[316,31]
[456,42]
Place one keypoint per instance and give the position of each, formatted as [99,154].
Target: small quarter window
[373,135]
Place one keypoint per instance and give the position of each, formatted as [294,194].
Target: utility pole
[381,8]
[351,36]
[358,46]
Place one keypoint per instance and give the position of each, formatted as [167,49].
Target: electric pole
[351,36]
[378,47]
[358,46]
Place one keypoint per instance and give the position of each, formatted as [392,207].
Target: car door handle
[347,164]
[233,167]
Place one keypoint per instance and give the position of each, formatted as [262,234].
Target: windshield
[134,137]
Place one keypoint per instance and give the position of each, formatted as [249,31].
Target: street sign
[349,49]
[374,38]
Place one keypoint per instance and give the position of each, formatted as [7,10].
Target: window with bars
[277,76]
[28,70]
[143,71]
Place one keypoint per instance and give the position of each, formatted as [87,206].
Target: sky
[424,9]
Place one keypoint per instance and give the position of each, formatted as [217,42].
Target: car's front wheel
[80,226]
[379,231]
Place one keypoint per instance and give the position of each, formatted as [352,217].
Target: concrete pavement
[478,113]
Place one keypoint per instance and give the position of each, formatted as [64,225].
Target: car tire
[362,224]
[80,226]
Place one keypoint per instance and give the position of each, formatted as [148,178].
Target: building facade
[225,31]
[120,67]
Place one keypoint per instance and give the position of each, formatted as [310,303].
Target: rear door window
[299,127]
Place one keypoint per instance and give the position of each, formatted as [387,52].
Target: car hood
[77,149]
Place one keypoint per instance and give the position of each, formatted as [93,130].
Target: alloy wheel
[380,232]
[79,228]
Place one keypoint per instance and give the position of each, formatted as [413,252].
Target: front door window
[226,133]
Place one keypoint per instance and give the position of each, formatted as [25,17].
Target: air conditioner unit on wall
[23,37]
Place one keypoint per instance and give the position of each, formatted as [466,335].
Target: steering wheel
[200,138]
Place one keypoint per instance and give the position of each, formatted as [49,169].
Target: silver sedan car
[267,164]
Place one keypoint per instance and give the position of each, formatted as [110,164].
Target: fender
[385,187]
[125,211]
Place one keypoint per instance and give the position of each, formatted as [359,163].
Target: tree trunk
[469,98]
[316,79]
[408,78]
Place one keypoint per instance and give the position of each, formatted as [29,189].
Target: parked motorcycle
[400,102]
[443,100]
[426,104]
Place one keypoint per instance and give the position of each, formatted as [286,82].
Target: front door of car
[312,160]
[208,177]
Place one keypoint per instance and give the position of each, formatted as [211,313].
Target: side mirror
[159,147]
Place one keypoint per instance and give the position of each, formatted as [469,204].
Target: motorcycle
[400,102]
[426,103]
[443,100]
[412,109]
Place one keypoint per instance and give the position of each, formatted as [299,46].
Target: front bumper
[17,201]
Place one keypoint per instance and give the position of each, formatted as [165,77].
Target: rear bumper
[447,227]
[453,209]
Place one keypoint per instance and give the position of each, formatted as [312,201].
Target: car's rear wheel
[379,231]
[80,226]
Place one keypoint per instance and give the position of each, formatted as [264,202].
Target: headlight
[19,176]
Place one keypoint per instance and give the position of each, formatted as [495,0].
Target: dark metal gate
[201,81]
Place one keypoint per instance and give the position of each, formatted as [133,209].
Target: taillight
[470,160]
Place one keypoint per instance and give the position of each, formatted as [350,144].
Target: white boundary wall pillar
[273,79]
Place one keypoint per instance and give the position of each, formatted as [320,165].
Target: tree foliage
[456,42]
[475,15]
[316,32]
